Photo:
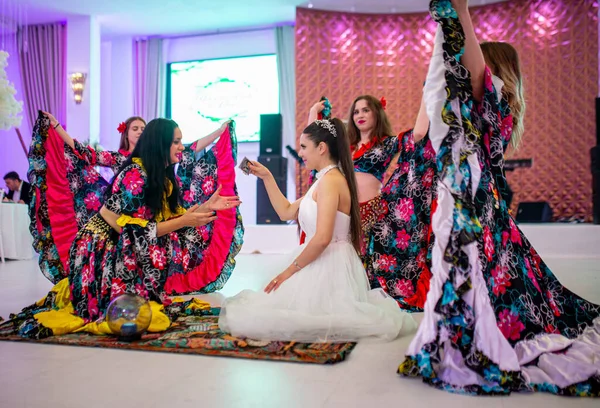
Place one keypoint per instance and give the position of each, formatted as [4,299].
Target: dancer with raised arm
[496,319]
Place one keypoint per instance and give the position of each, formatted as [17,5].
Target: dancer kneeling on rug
[67,190]
[323,296]
[139,240]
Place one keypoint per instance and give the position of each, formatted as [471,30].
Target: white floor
[34,375]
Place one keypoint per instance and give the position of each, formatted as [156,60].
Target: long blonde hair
[503,60]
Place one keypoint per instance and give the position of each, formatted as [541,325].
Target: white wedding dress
[329,300]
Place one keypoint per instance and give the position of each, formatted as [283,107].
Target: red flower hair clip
[122,127]
[383,102]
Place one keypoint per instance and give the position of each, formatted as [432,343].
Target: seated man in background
[18,190]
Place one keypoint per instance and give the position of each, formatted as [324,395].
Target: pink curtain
[42,57]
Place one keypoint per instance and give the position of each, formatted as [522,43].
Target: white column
[83,55]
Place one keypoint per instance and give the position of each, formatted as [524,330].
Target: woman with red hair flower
[373,145]
[142,242]
[69,189]
[395,177]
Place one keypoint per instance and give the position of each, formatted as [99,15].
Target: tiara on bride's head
[324,123]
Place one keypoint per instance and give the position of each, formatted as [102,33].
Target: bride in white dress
[324,295]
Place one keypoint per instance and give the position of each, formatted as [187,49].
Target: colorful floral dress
[104,264]
[86,183]
[399,246]
[212,259]
[373,158]
[496,319]
[67,191]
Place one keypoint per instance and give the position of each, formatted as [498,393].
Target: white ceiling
[175,17]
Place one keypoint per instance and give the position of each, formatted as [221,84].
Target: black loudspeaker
[265,213]
[271,134]
[276,164]
[595,155]
[539,211]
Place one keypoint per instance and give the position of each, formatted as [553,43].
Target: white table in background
[14,227]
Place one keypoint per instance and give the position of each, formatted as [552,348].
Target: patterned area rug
[201,335]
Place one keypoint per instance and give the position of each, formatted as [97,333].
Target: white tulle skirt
[327,301]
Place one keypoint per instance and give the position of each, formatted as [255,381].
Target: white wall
[247,184]
[106,130]
[117,88]
[221,45]
[83,55]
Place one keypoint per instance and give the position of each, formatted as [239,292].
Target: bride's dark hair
[339,149]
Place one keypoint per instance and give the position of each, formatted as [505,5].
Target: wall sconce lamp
[77,85]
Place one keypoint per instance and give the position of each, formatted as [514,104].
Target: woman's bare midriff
[110,217]
[368,186]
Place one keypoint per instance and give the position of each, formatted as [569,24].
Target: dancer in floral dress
[373,146]
[68,190]
[496,319]
[396,222]
[142,241]
[398,253]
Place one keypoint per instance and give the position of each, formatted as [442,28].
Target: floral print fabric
[496,319]
[399,247]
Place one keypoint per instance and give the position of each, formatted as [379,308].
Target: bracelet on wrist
[57,125]
[295,263]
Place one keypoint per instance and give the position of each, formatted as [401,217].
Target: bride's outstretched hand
[258,170]
[278,280]
[217,202]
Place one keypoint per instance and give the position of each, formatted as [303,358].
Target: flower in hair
[326,124]
[383,102]
[122,127]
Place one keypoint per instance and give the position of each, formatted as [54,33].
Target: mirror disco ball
[128,316]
